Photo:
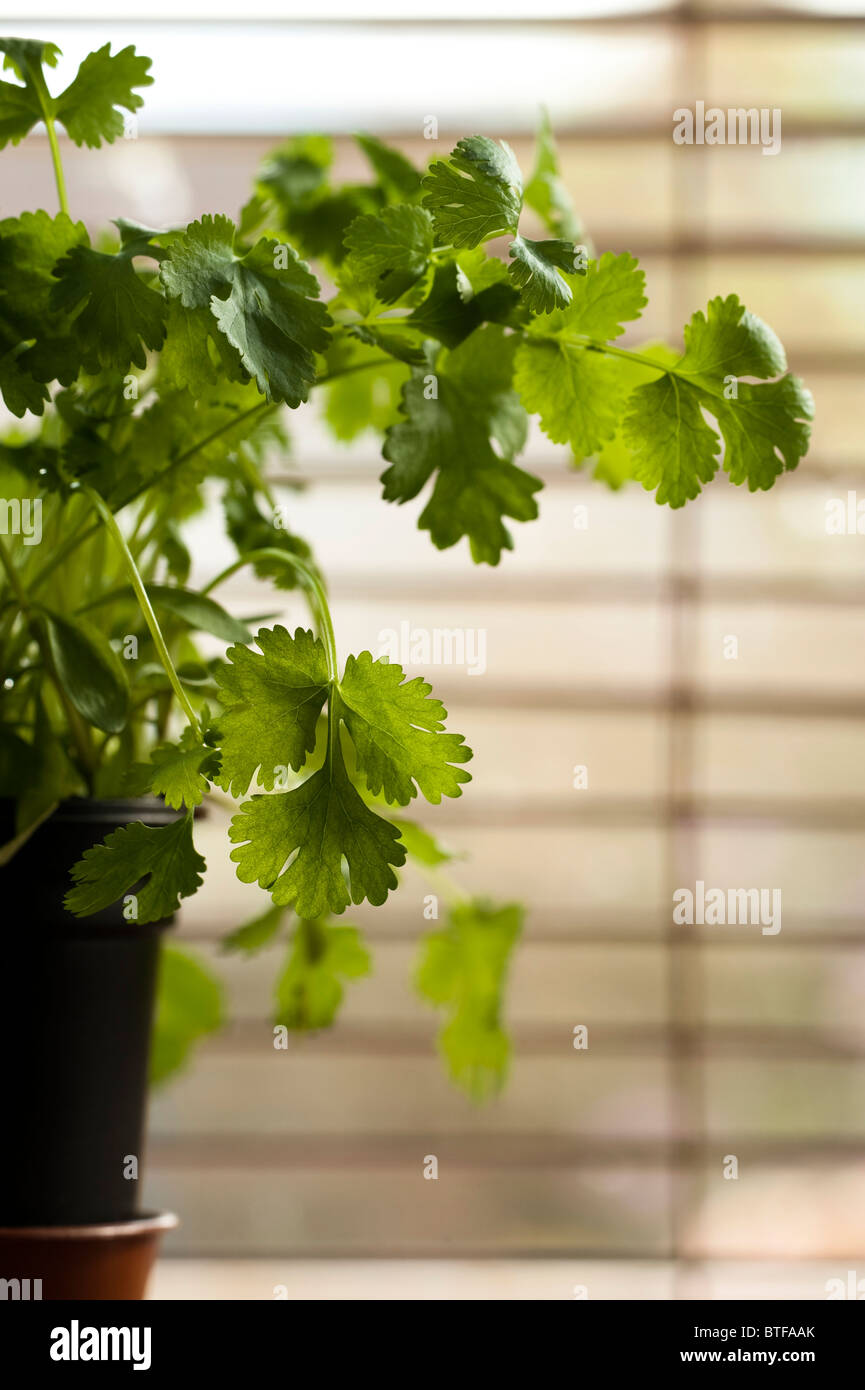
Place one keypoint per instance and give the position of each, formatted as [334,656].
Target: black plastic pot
[76,1009]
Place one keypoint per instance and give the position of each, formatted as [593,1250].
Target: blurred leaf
[421,845]
[254,935]
[463,970]
[249,529]
[545,192]
[189,1006]
[309,991]
[296,169]
[175,553]
[394,171]
[15,760]
[365,399]
[50,775]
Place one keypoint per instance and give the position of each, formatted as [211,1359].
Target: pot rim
[148,1223]
[75,809]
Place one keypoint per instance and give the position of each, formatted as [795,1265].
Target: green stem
[46,106]
[136,530]
[384,361]
[321,609]
[59,178]
[12,847]
[74,541]
[71,543]
[150,535]
[262,407]
[593,345]
[14,579]
[321,614]
[144,604]
[314,937]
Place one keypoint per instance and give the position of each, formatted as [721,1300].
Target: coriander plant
[154,364]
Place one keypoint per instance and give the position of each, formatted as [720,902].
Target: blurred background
[601,1169]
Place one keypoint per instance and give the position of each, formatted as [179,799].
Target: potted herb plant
[153,366]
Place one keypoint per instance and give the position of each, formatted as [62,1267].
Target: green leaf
[615,460]
[293,843]
[296,170]
[420,844]
[318,224]
[392,168]
[535,271]
[392,337]
[19,390]
[189,1005]
[175,553]
[31,460]
[153,238]
[728,340]
[391,250]
[109,780]
[477,272]
[20,107]
[764,425]
[25,56]
[272,703]
[15,763]
[309,990]
[89,672]
[478,194]
[475,194]
[397,733]
[224,432]
[179,772]
[546,194]
[456,305]
[253,936]
[19,112]
[120,316]
[200,611]
[86,108]
[463,970]
[103,82]
[250,530]
[30,247]
[765,430]
[579,393]
[195,356]
[164,855]
[448,434]
[50,777]
[610,294]
[361,400]
[674,449]
[262,300]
